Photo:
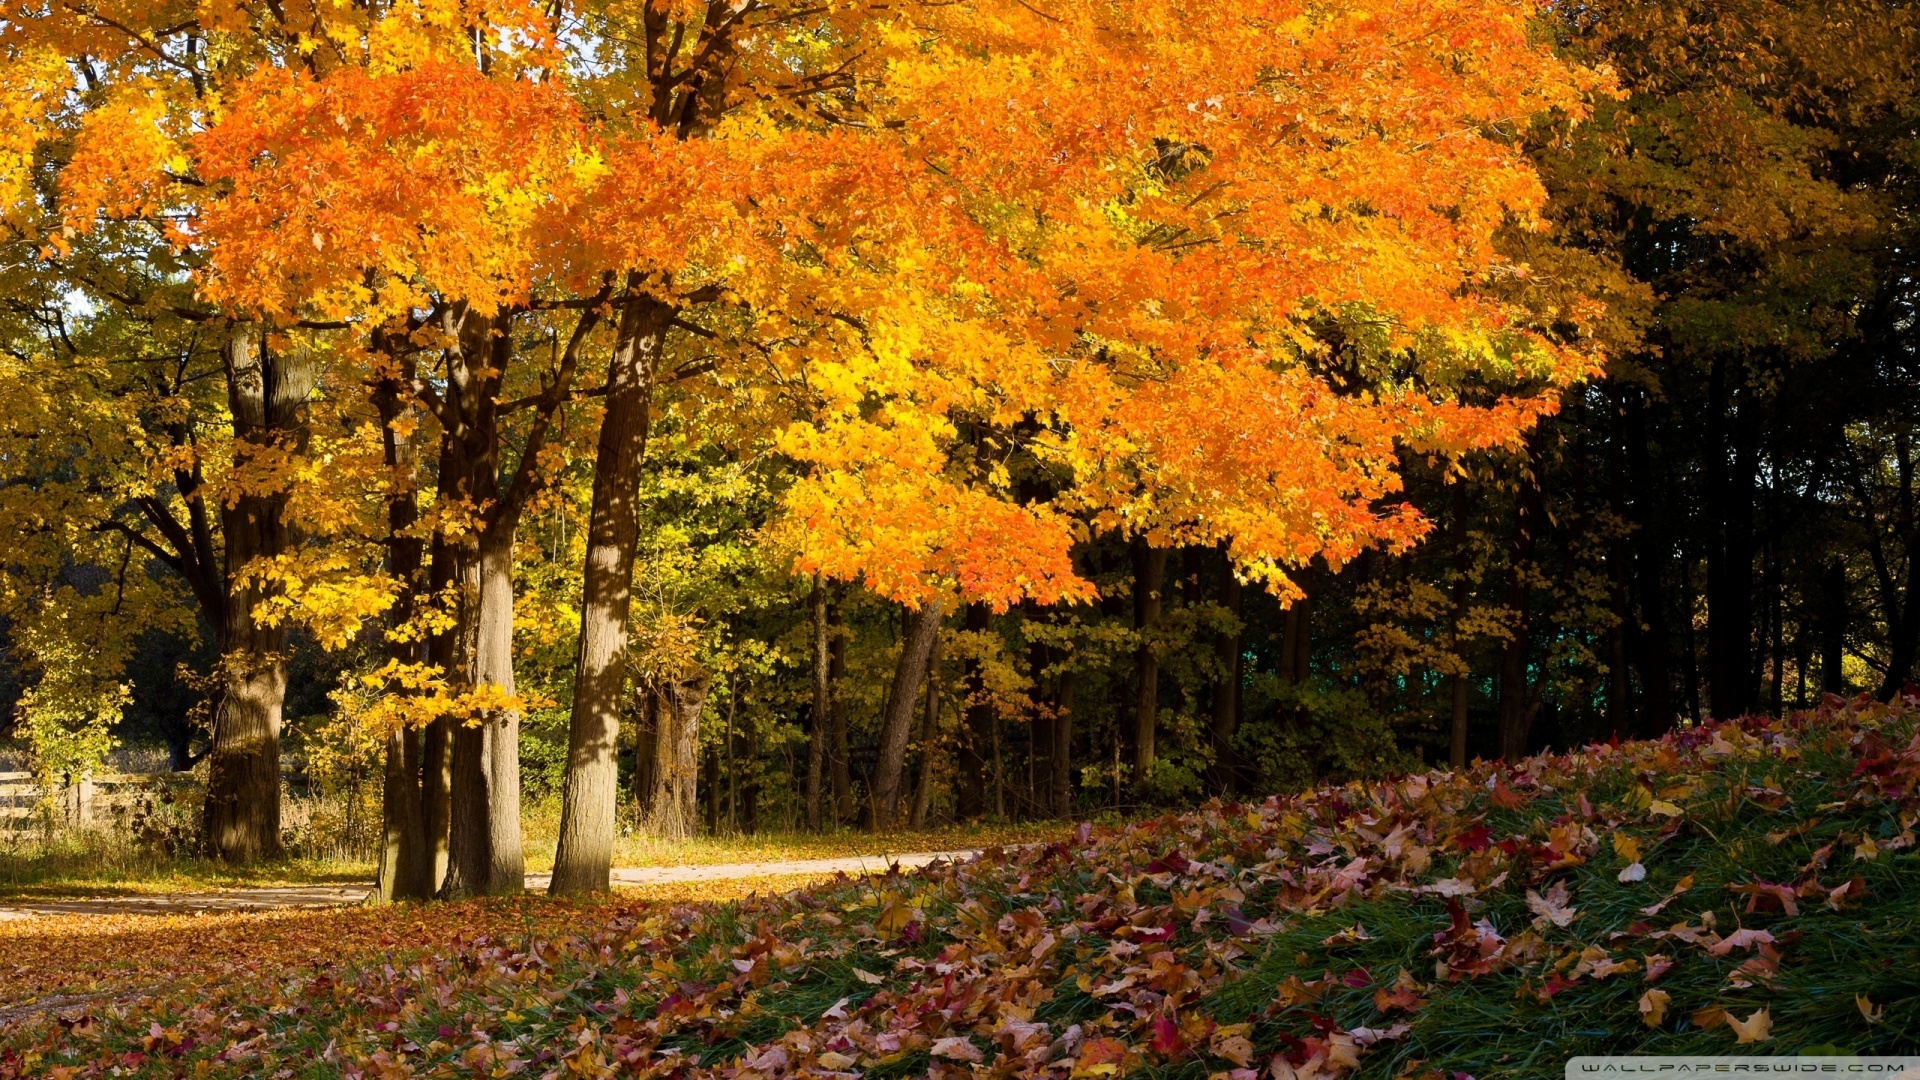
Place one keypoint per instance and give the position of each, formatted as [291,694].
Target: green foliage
[1297,736]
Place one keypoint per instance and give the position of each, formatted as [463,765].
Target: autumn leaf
[957,1048]
[1653,1007]
[1553,908]
[1757,1027]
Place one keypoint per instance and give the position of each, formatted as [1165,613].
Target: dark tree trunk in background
[1149,577]
[583,858]
[1231,664]
[920,629]
[1457,690]
[1061,779]
[1729,500]
[673,812]
[1516,693]
[976,731]
[821,720]
[1296,636]
[646,735]
[267,395]
[842,752]
[1833,629]
[1650,634]
[1620,710]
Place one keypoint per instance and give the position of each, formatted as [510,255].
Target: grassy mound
[1745,887]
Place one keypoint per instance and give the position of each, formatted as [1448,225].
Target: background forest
[1722,522]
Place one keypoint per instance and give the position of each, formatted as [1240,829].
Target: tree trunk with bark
[674,811]
[917,637]
[1149,576]
[822,718]
[583,860]
[929,736]
[406,862]
[267,394]
[839,749]
[976,725]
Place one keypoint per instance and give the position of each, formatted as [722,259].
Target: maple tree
[1202,283]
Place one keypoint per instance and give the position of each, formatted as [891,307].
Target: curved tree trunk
[266,393]
[896,721]
[583,861]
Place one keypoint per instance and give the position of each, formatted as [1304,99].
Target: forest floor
[1748,887]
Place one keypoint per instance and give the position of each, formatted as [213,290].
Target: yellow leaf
[1663,807]
[1626,847]
[1653,1007]
[1873,1013]
[1755,1028]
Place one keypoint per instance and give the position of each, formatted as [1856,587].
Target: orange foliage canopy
[1209,270]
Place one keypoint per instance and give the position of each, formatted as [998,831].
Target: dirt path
[325,896]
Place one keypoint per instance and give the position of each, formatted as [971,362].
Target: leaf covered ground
[1745,886]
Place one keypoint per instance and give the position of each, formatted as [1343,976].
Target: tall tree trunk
[1833,628]
[406,862]
[1730,682]
[822,722]
[838,745]
[917,637]
[1650,554]
[583,861]
[1462,587]
[929,737]
[1516,695]
[267,394]
[1149,576]
[484,835]
[1226,688]
[675,810]
[1296,637]
[1061,780]
[646,751]
[976,729]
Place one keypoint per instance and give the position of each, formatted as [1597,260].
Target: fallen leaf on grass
[1634,872]
[1755,1028]
[1745,938]
[1873,1013]
[868,977]
[1653,1007]
[1551,908]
